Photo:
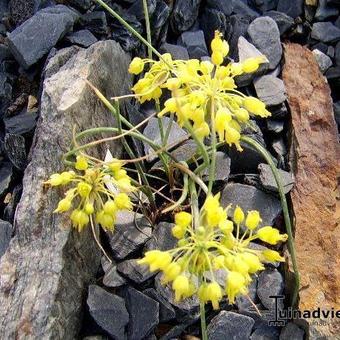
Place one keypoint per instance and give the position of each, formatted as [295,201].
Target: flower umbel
[97,189]
[215,244]
[204,93]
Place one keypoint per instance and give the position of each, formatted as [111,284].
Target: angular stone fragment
[6,172]
[131,232]
[293,8]
[323,60]
[230,325]
[112,277]
[162,238]
[265,35]
[109,311]
[315,158]
[48,265]
[222,167]
[195,44]
[184,14]
[325,32]
[270,90]
[36,36]
[176,51]
[292,331]
[135,272]
[250,198]
[6,230]
[284,22]
[82,38]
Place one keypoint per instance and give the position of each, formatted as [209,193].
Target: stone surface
[112,278]
[36,36]
[108,311]
[292,331]
[15,148]
[195,44]
[264,6]
[6,172]
[276,126]
[166,311]
[6,231]
[230,325]
[270,283]
[131,232]
[270,90]
[224,6]
[22,123]
[325,32]
[82,38]
[242,302]
[222,167]
[241,7]
[314,157]
[143,312]
[162,238]
[134,271]
[268,181]
[177,51]
[284,22]
[239,25]
[48,266]
[152,132]
[212,20]
[95,21]
[265,35]
[184,14]
[250,198]
[293,8]
[265,333]
[325,11]
[323,60]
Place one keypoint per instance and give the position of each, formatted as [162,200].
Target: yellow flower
[253,262]
[64,205]
[256,107]
[181,286]
[110,207]
[55,180]
[238,215]
[214,294]
[81,163]
[253,219]
[252,64]
[105,220]
[122,201]
[235,285]
[84,189]
[171,272]
[79,219]
[136,66]
[272,256]
[183,219]
[178,231]
[271,235]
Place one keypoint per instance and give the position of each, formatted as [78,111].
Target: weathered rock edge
[45,271]
[314,156]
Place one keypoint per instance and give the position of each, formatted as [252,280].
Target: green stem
[203,322]
[147,26]
[285,209]
[182,198]
[168,128]
[128,27]
[212,169]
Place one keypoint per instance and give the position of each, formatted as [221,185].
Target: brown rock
[314,156]
[46,270]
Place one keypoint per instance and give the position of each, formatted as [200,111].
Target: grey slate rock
[6,172]
[241,7]
[271,90]
[36,36]
[284,22]
[6,230]
[268,180]
[264,6]
[184,15]
[159,22]
[194,42]
[265,333]
[10,208]
[21,123]
[222,167]
[292,331]
[275,126]
[178,52]
[337,53]
[166,311]
[279,146]
[112,278]
[336,107]
[137,9]
[82,38]
[265,35]
[242,302]
[152,132]
[323,60]
[280,111]
[331,52]
[325,32]
[108,311]
[250,198]
[130,234]
[270,283]
[230,325]
[95,21]
[325,11]
[82,4]
[143,313]
[162,238]
[293,8]
[134,271]
[224,6]
[212,20]
[16,150]
[5,53]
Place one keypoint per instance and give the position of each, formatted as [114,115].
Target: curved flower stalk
[97,189]
[215,243]
[202,93]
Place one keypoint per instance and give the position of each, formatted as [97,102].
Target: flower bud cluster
[204,93]
[214,244]
[97,189]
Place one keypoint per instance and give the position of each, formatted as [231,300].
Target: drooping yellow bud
[55,180]
[105,220]
[89,208]
[226,226]
[271,235]
[251,65]
[115,165]
[253,262]
[272,256]
[202,130]
[242,115]
[183,219]
[63,205]
[181,286]
[178,231]
[122,201]
[222,118]
[171,272]
[255,106]
[79,219]
[110,207]
[238,215]
[84,189]
[253,219]
[81,163]
[136,66]
[236,284]
[214,294]
[232,136]
[67,177]
[217,58]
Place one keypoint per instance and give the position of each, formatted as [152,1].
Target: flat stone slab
[315,158]
[48,265]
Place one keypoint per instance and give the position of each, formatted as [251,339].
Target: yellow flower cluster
[99,189]
[202,93]
[215,243]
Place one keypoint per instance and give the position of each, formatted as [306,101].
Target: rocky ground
[123,299]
